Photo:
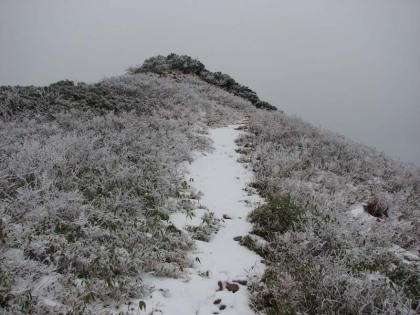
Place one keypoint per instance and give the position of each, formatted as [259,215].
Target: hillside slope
[90,175]
[342,221]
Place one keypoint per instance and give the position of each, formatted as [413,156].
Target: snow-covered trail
[222,261]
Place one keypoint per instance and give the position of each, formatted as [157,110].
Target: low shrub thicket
[186,64]
[326,259]
[278,215]
[89,175]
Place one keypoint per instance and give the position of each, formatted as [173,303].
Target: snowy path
[223,261]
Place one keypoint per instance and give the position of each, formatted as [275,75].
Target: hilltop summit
[186,64]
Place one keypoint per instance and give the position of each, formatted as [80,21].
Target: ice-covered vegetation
[186,64]
[89,175]
[325,256]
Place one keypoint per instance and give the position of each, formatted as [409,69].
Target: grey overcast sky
[351,66]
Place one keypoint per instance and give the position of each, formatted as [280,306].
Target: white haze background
[350,66]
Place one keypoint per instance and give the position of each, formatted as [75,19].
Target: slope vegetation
[342,221]
[90,175]
[186,64]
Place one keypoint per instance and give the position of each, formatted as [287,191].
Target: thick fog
[349,66]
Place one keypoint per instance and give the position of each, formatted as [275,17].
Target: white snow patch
[222,180]
[13,254]
[181,220]
[357,211]
[403,254]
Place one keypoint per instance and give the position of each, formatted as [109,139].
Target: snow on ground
[357,211]
[220,263]
[405,255]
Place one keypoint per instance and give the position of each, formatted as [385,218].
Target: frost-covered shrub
[336,261]
[63,95]
[276,216]
[89,175]
[186,64]
[206,229]
[161,64]
[182,96]
[322,269]
[90,204]
[328,171]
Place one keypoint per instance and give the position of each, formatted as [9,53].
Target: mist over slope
[89,174]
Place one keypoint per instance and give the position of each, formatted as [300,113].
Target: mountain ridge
[90,175]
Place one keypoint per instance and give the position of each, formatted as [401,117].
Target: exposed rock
[241,282]
[232,287]
[226,217]
[222,307]
[237,238]
[220,284]
[217,301]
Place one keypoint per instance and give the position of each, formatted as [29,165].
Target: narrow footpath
[222,267]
